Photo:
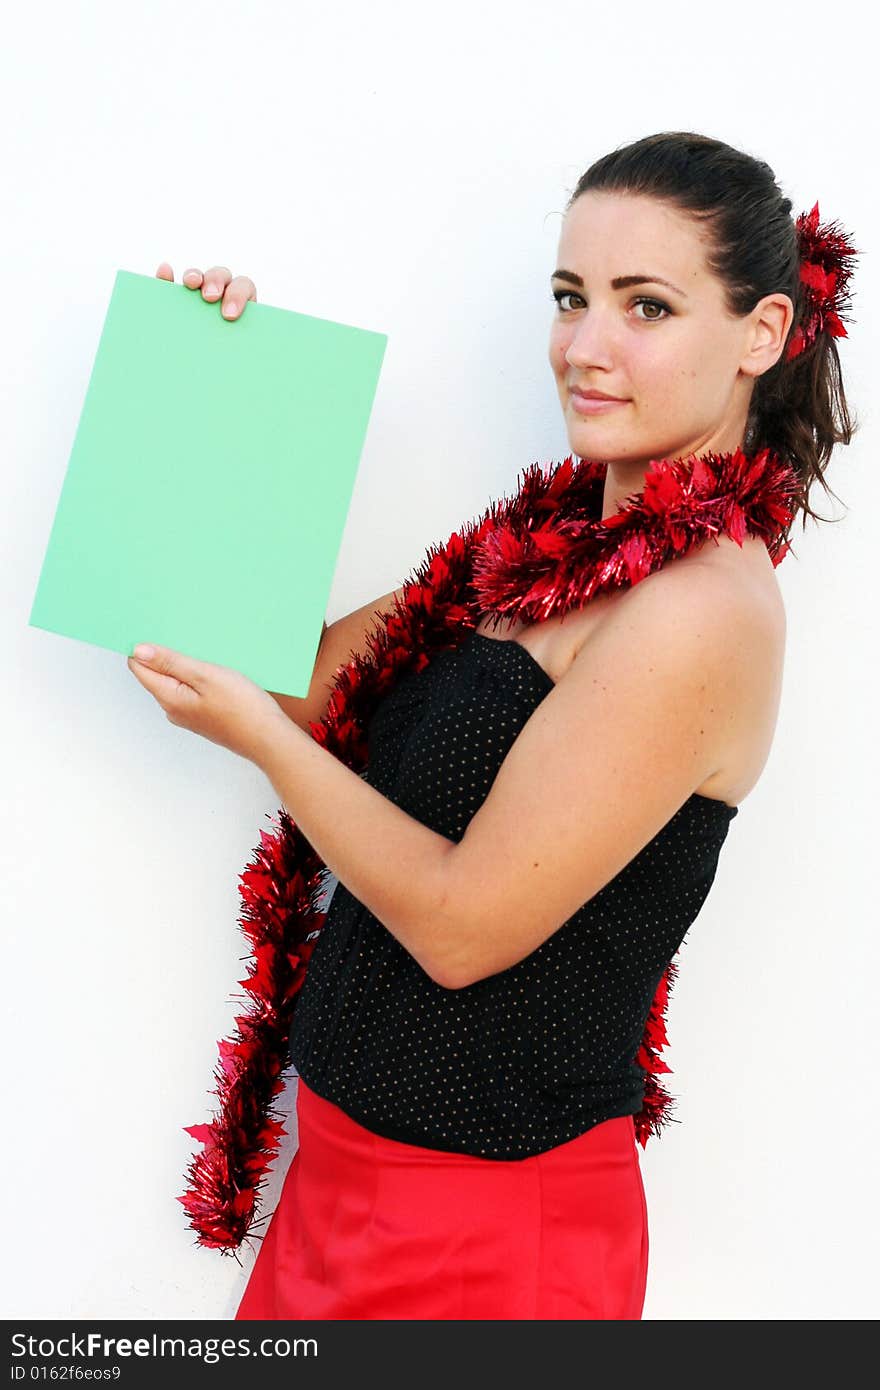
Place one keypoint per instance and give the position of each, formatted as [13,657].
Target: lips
[594,395]
[585,406]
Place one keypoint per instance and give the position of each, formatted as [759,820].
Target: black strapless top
[537,1054]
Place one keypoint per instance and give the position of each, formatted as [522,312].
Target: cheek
[560,338]
[658,364]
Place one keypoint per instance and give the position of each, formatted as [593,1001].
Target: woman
[543,808]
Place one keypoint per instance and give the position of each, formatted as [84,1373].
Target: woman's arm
[339,642]
[633,728]
[389,860]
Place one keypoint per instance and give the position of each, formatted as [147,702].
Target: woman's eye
[655,304]
[563,293]
[559,295]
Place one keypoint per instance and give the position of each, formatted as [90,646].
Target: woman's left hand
[219,704]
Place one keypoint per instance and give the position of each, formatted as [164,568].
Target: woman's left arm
[648,710]
[639,721]
[390,861]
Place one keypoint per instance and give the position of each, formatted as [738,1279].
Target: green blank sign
[209,482]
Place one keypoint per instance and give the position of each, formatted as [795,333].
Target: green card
[209,482]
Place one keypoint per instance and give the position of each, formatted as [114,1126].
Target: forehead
[621,233]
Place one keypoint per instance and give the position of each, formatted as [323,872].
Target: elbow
[447,981]
[446,969]
[457,968]
[461,975]
[444,956]
[462,952]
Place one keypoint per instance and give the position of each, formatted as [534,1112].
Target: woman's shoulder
[731,590]
[735,583]
[739,594]
[728,593]
[743,579]
[735,588]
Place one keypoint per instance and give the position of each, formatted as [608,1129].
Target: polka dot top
[535,1055]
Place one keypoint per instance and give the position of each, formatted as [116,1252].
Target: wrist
[273,742]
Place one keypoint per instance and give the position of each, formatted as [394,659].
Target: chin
[583,436]
[600,453]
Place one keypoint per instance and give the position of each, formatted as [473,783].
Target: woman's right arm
[339,642]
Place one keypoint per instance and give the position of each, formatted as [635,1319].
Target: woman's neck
[626,476]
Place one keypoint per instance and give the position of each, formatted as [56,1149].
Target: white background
[404,168]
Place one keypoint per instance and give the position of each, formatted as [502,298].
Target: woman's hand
[216,283]
[221,705]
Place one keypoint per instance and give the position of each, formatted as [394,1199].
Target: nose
[589,344]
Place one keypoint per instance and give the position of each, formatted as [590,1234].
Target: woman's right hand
[216,283]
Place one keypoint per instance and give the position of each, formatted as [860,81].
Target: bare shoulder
[717,609]
[739,578]
[732,594]
[731,588]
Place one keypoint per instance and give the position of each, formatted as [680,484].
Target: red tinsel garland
[827,260]
[540,553]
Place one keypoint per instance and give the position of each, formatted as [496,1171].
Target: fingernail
[212,289]
[143,652]
[230,309]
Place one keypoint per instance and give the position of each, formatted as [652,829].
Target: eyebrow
[620,282]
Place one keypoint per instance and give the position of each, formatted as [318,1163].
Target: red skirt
[368,1227]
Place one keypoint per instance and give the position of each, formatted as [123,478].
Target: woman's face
[684,366]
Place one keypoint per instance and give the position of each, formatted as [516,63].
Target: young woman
[545,804]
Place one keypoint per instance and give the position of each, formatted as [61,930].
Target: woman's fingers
[217,283]
[216,280]
[235,291]
[238,292]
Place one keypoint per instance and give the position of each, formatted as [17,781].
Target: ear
[770,321]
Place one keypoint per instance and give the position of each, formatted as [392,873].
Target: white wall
[403,168]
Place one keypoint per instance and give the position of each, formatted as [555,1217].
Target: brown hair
[798,407]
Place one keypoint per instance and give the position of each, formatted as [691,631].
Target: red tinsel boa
[538,554]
